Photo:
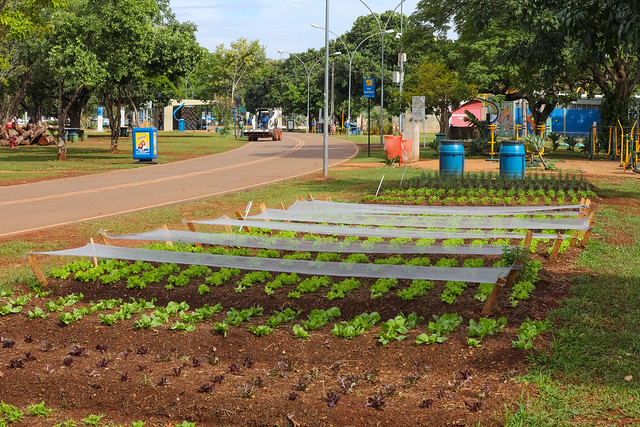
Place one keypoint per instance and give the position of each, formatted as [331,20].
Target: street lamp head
[317,26]
[390,31]
[337,53]
[398,35]
[280,51]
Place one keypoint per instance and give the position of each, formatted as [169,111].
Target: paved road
[31,207]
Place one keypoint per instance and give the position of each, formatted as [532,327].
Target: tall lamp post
[351,56]
[309,70]
[382,32]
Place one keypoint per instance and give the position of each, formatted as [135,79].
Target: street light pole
[325,134]
[351,56]
[382,64]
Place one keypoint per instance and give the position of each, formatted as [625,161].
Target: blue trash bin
[512,158]
[451,157]
[181,125]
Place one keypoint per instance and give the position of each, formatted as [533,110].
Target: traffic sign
[369,88]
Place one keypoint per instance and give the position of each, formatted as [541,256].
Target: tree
[233,67]
[441,88]
[524,61]
[605,36]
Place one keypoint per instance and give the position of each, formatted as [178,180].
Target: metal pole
[369,129]
[382,92]
[325,136]
[349,103]
[401,71]
[308,85]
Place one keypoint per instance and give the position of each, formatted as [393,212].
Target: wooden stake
[227,228]
[263,209]
[300,199]
[493,297]
[191,226]
[328,198]
[241,218]
[37,271]
[95,260]
[167,242]
[556,248]
[587,234]
[574,239]
[105,240]
[281,205]
[511,277]
[309,197]
[527,240]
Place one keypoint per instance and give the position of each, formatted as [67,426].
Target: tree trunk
[540,112]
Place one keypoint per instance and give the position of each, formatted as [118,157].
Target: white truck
[266,123]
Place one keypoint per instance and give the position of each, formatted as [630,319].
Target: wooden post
[227,228]
[493,298]
[574,239]
[263,209]
[241,218]
[309,197]
[37,271]
[167,242]
[587,234]
[94,259]
[328,198]
[527,240]
[103,235]
[556,248]
[300,199]
[500,284]
[191,226]
[281,205]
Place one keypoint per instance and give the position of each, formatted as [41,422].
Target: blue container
[181,125]
[451,157]
[512,158]
[145,147]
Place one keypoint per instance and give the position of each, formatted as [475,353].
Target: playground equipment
[629,148]
[623,144]
[517,128]
[492,127]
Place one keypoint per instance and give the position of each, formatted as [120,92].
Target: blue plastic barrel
[451,157]
[512,158]
[181,125]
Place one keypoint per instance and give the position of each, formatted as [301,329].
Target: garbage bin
[181,125]
[123,131]
[73,137]
[84,136]
[145,147]
[451,157]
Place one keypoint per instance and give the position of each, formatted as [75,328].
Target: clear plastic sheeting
[307,245]
[341,269]
[337,230]
[423,221]
[343,208]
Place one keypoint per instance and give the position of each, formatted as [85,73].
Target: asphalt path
[31,207]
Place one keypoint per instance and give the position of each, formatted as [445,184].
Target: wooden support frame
[527,240]
[574,239]
[309,197]
[506,283]
[191,226]
[281,206]
[299,198]
[37,271]
[167,242]
[263,209]
[94,259]
[227,228]
[241,218]
[556,248]
[103,236]
[588,233]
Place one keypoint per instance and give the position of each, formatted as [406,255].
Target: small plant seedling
[39,410]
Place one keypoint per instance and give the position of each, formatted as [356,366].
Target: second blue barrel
[451,157]
[512,158]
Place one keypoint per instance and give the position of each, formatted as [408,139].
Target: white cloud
[284,24]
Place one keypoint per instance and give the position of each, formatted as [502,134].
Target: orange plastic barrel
[407,150]
[392,145]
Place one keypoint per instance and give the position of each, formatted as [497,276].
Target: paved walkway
[31,207]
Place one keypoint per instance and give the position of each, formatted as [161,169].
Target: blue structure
[145,144]
[451,157]
[567,121]
[512,159]
[180,121]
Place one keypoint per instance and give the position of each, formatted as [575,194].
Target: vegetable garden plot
[422,221]
[335,230]
[267,242]
[348,208]
[478,275]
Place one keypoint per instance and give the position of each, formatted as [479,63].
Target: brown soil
[288,382]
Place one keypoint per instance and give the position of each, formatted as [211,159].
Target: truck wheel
[280,135]
[274,135]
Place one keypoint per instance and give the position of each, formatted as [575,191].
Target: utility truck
[266,123]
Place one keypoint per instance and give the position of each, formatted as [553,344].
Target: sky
[283,24]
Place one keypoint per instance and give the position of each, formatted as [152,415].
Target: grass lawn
[32,163]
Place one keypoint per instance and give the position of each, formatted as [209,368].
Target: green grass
[92,156]
[590,375]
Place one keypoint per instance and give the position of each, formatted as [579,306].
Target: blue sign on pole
[369,88]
